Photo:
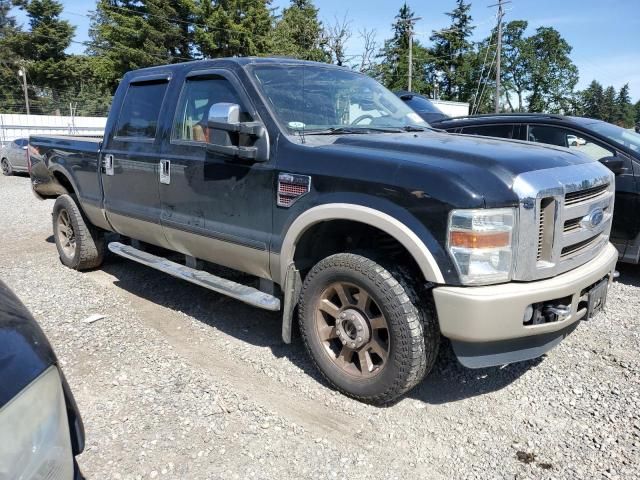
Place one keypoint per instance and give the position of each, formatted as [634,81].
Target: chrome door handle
[165,172]
[107,164]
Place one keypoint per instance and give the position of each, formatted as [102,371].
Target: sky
[605,34]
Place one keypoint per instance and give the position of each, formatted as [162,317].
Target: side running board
[226,287]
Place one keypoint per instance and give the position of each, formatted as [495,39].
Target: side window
[501,131]
[568,138]
[198,96]
[141,109]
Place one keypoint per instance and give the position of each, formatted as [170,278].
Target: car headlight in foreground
[34,432]
[481,244]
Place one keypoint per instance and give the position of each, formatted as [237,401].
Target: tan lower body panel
[495,312]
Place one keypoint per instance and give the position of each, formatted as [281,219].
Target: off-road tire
[89,240]
[5,167]
[414,336]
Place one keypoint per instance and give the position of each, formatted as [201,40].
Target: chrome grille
[540,234]
[558,229]
[580,196]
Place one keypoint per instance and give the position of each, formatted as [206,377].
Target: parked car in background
[613,146]
[422,106]
[41,430]
[13,156]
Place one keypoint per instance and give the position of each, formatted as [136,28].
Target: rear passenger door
[131,159]
[18,153]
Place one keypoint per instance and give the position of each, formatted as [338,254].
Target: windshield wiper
[413,128]
[339,130]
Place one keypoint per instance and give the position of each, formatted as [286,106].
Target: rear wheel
[365,328]
[6,168]
[80,245]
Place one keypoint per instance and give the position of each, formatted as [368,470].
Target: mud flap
[292,287]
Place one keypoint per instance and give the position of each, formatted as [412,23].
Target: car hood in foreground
[25,352]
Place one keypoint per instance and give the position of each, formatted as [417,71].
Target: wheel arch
[364,215]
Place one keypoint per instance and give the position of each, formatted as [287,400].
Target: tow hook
[559,311]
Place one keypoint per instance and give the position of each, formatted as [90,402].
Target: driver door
[215,207]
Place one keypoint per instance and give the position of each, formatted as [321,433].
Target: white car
[13,156]
[574,140]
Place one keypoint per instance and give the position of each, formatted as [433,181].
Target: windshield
[626,138]
[420,104]
[316,98]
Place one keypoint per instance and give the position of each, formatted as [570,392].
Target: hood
[25,352]
[483,167]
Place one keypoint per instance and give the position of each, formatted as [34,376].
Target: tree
[625,109]
[298,33]
[10,86]
[367,62]
[592,100]
[516,61]
[228,28]
[128,34]
[637,107]
[42,49]
[553,74]
[610,110]
[336,36]
[393,70]
[452,54]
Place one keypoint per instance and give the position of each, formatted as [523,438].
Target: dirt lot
[178,382]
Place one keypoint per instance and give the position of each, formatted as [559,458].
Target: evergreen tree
[637,107]
[452,54]
[610,110]
[42,49]
[128,34]
[393,69]
[626,111]
[593,101]
[298,33]
[11,93]
[228,28]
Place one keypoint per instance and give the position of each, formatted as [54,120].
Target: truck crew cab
[381,233]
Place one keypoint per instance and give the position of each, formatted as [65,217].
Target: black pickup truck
[345,207]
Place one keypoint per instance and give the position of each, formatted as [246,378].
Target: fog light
[528,314]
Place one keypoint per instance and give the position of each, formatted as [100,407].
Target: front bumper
[485,324]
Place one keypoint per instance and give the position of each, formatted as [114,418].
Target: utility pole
[410,22]
[23,73]
[499,49]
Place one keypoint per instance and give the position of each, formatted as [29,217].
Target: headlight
[481,244]
[34,432]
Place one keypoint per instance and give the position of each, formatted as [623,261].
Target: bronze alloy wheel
[352,329]
[66,234]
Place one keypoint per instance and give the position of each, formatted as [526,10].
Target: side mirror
[229,136]
[615,164]
[224,113]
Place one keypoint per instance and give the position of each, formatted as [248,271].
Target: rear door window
[563,137]
[500,131]
[141,109]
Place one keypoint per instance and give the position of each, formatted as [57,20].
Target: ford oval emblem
[594,219]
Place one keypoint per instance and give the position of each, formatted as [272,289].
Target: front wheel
[365,328]
[6,167]
[80,245]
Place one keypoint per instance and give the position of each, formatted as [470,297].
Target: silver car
[13,156]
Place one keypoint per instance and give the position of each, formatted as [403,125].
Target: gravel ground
[178,382]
